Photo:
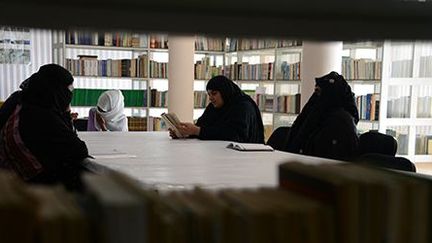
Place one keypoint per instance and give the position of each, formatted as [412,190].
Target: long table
[156,160]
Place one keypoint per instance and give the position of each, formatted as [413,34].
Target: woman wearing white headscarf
[109,113]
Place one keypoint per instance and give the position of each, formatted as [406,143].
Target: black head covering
[48,88]
[228,89]
[335,96]
[336,93]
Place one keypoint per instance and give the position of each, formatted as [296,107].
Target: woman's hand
[189,129]
[101,122]
[172,133]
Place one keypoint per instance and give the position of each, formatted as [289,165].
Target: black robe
[45,126]
[326,127]
[238,120]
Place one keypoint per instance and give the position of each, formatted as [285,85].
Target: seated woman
[326,126]
[232,115]
[38,142]
[109,113]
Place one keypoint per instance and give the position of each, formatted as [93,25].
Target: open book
[172,121]
[250,147]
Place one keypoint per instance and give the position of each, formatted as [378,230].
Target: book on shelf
[249,147]
[289,71]
[368,204]
[429,146]
[361,69]
[115,39]
[122,210]
[172,121]
[59,216]
[91,66]
[317,202]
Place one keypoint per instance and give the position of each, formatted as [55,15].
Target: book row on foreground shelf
[319,202]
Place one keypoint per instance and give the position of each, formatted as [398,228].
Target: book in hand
[172,121]
[249,147]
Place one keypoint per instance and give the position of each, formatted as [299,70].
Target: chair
[377,149]
[387,161]
[278,138]
[375,142]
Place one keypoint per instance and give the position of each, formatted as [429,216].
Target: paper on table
[113,154]
[250,147]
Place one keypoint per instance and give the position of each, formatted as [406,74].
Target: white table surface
[153,158]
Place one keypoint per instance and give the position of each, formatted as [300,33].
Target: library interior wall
[319,58]
[11,75]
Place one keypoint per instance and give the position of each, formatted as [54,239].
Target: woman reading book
[231,115]
[38,141]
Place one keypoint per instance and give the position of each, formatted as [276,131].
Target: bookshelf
[362,68]
[209,62]
[269,71]
[140,62]
[407,84]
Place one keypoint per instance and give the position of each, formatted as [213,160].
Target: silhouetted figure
[326,127]
[38,141]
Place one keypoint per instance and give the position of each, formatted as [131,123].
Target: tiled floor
[424,168]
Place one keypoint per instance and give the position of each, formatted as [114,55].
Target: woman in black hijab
[37,141]
[232,115]
[326,127]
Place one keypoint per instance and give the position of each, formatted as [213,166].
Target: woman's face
[317,90]
[215,98]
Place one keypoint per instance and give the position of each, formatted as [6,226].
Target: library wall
[11,75]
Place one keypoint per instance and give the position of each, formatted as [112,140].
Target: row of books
[134,98]
[368,106]
[364,204]
[423,144]
[315,202]
[289,71]
[136,124]
[361,69]
[201,99]
[424,107]
[118,39]
[159,41]
[209,44]
[399,108]
[158,69]
[401,69]
[89,97]
[401,138]
[264,102]
[158,98]
[245,71]
[288,104]
[235,44]
[91,66]
[204,70]
[289,43]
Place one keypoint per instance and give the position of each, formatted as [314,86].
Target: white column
[319,58]
[181,76]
